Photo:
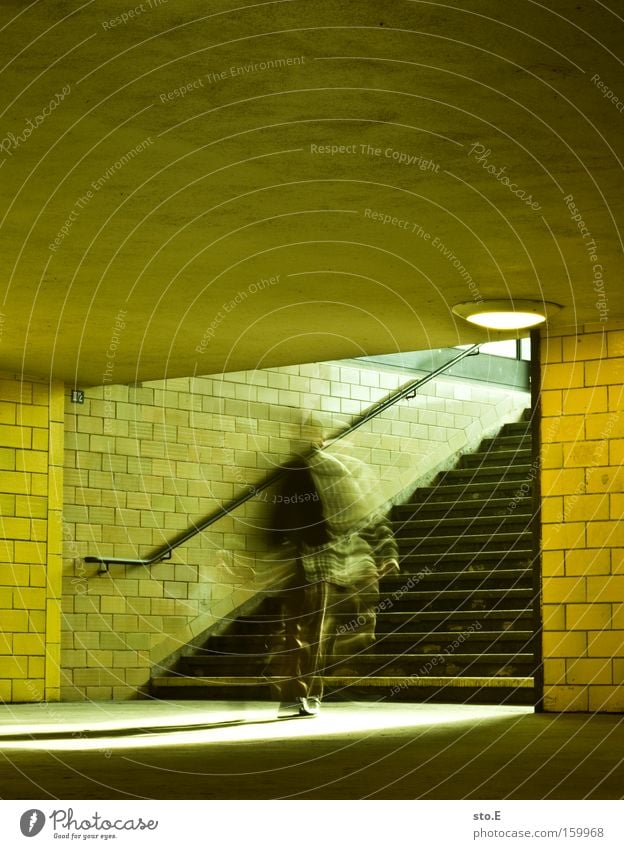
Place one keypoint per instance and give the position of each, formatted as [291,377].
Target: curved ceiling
[197,187]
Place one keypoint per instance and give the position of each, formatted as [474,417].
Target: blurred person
[342,548]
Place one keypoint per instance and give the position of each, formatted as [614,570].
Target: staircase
[455,625]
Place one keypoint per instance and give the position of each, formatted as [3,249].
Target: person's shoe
[302,706]
[289,709]
[309,706]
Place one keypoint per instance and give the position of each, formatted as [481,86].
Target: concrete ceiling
[139,219]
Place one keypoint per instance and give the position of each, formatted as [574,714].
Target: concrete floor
[237,750]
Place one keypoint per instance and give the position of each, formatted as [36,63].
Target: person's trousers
[308,636]
[307,630]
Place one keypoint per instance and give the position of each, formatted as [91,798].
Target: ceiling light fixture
[506,314]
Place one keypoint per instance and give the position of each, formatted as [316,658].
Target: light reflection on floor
[145,725]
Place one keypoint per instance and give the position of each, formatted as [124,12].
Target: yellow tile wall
[31,492]
[582,529]
[143,462]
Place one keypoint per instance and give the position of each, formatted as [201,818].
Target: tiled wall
[582,506]
[143,462]
[31,476]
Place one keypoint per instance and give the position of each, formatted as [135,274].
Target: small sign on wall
[77,396]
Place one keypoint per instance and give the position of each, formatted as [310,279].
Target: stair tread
[455,614]
[446,487]
[500,473]
[471,592]
[372,681]
[471,556]
[464,573]
[493,552]
[481,634]
[433,681]
[500,450]
[490,657]
[492,460]
[460,526]
[502,536]
[447,521]
[450,613]
[503,468]
[368,654]
[411,638]
[509,442]
[493,503]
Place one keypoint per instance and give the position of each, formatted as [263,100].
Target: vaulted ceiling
[195,187]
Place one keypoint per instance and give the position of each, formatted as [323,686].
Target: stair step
[423,621]
[488,557]
[235,644]
[494,578]
[460,596]
[490,524]
[507,439]
[427,689]
[463,595]
[365,663]
[523,426]
[405,662]
[183,681]
[428,657]
[428,553]
[494,457]
[446,491]
[191,681]
[478,641]
[241,665]
[445,620]
[249,644]
[425,664]
[498,474]
[475,507]
[463,542]
[407,580]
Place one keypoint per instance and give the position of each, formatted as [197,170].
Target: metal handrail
[165,551]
